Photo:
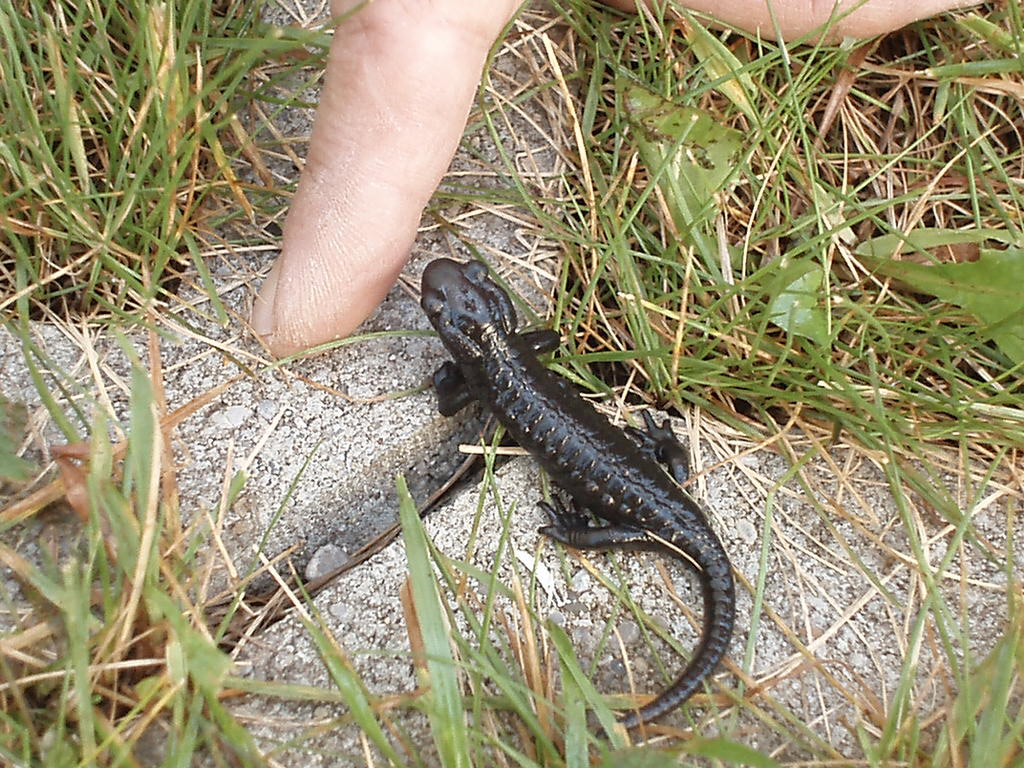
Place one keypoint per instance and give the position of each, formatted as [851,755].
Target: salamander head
[465,306]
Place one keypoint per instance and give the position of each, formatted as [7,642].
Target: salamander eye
[475,271]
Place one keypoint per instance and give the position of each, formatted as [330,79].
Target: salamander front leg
[452,393]
[541,341]
[661,444]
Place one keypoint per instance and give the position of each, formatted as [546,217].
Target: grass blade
[444,699]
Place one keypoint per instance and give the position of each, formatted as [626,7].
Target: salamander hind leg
[452,393]
[573,529]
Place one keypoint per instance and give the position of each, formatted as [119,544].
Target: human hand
[400,82]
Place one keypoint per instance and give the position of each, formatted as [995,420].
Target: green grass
[113,642]
[120,147]
[704,323]
[814,244]
[851,270]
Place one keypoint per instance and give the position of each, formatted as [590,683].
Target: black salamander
[609,472]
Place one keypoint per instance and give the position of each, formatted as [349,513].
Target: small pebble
[580,581]
[236,415]
[325,560]
[629,632]
[267,409]
[746,531]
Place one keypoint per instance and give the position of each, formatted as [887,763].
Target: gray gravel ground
[321,445]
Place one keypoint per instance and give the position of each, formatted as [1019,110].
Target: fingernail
[262,318]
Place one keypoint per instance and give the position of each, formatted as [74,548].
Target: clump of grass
[473,632]
[119,147]
[771,295]
[848,271]
[110,661]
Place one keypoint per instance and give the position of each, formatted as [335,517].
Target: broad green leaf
[189,652]
[686,150]
[991,33]
[927,239]
[730,752]
[730,75]
[208,665]
[991,288]
[797,307]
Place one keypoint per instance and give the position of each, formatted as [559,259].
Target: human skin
[400,81]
